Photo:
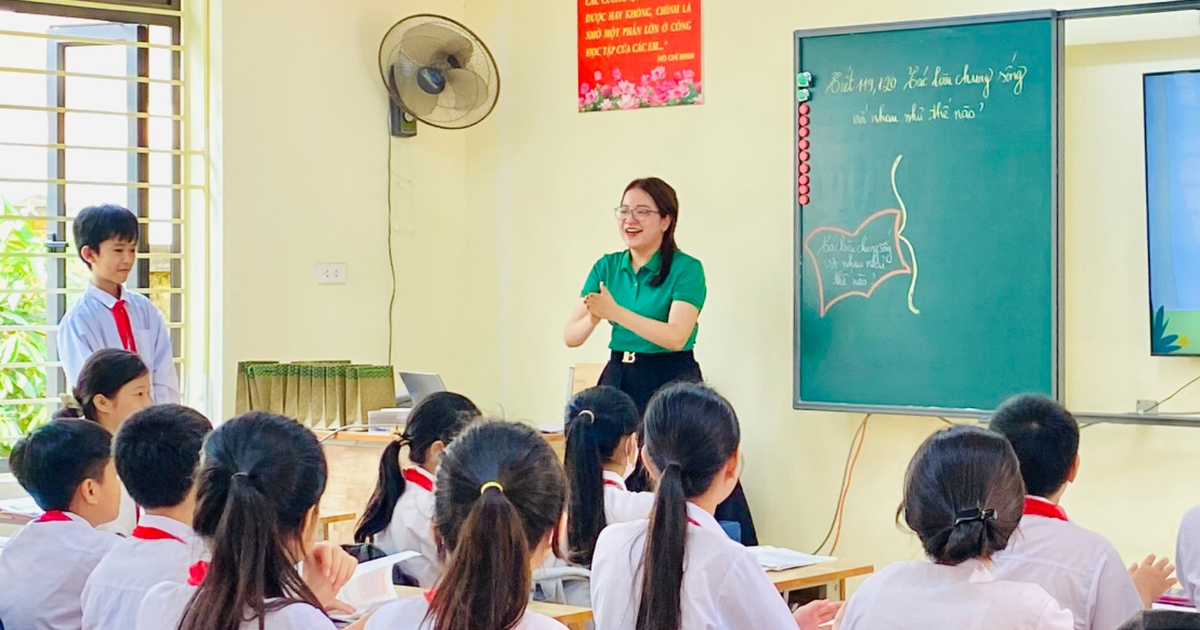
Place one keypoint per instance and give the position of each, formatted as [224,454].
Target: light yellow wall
[553,175]
[304,180]
[497,226]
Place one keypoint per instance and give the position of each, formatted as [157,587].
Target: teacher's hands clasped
[602,305]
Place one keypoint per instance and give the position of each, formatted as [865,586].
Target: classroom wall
[553,176]
[304,179]
[496,227]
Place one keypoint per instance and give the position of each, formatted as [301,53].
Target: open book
[779,559]
[371,586]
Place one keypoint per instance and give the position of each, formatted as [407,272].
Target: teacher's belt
[651,358]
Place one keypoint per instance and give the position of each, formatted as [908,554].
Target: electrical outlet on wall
[330,273]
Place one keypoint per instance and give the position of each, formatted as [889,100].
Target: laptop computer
[421,385]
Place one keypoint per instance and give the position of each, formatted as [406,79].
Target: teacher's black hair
[668,206]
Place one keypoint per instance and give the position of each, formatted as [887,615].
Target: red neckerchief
[414,476]
[429,595]
[197,572]
[124,327]
[610,482]
[152,533]
[53,516]
[693,521]
[1037,506]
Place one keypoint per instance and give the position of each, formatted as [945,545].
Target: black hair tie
[974,514]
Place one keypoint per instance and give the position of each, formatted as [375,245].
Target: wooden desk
[558,441]
[818,578]
[572,617]
[9,518]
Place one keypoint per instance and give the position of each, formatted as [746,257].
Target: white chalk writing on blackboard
[856,263]
[964,90]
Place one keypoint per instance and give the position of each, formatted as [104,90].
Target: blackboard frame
[1057,203]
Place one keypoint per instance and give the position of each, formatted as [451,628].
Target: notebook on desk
[23,506]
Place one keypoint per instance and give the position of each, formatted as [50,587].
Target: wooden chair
[583,376]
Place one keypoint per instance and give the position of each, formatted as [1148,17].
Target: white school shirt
[1187,554]
[907,595]
[409,614]
[164,605]
[621,505]
[410,530]
[43,570]
[113,594]
[724,588]
[1078,568]
[90,326]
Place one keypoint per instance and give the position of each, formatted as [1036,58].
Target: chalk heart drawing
[856,263]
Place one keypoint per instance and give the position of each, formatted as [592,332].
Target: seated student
[639,577]
[500,495]
[157,452]
[112,385]
[65,466]
[108,315]
[1077,567]
[602,448]
[256,507]
[400,510]
[1187,554]
[962,496]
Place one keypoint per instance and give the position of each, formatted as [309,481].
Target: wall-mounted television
[1172,106]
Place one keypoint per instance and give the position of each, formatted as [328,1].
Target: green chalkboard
[927,215]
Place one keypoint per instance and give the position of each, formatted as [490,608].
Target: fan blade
[418,102]
[469,89]
[431,45]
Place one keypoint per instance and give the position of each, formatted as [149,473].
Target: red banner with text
[638,53]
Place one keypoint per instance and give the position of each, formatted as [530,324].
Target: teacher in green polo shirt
[652,294]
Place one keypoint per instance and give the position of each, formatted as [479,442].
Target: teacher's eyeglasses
[641,213]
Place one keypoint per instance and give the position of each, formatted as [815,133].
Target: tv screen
[1172,104]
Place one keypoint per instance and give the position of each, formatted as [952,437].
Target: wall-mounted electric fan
[438,72]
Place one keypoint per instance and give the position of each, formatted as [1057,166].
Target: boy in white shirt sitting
[1079,568]
[157,452]
[66,467]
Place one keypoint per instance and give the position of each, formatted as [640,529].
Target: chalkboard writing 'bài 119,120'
[962,91]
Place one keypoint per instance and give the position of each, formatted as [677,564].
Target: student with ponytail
[602,449]
[500,496]
[639,577]
[113,385]
[256,507]
[398,515]
[963,496]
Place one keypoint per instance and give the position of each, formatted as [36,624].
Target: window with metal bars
[92,110]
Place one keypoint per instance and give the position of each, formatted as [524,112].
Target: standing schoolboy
[65,466]
[157,453]
[108,315]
